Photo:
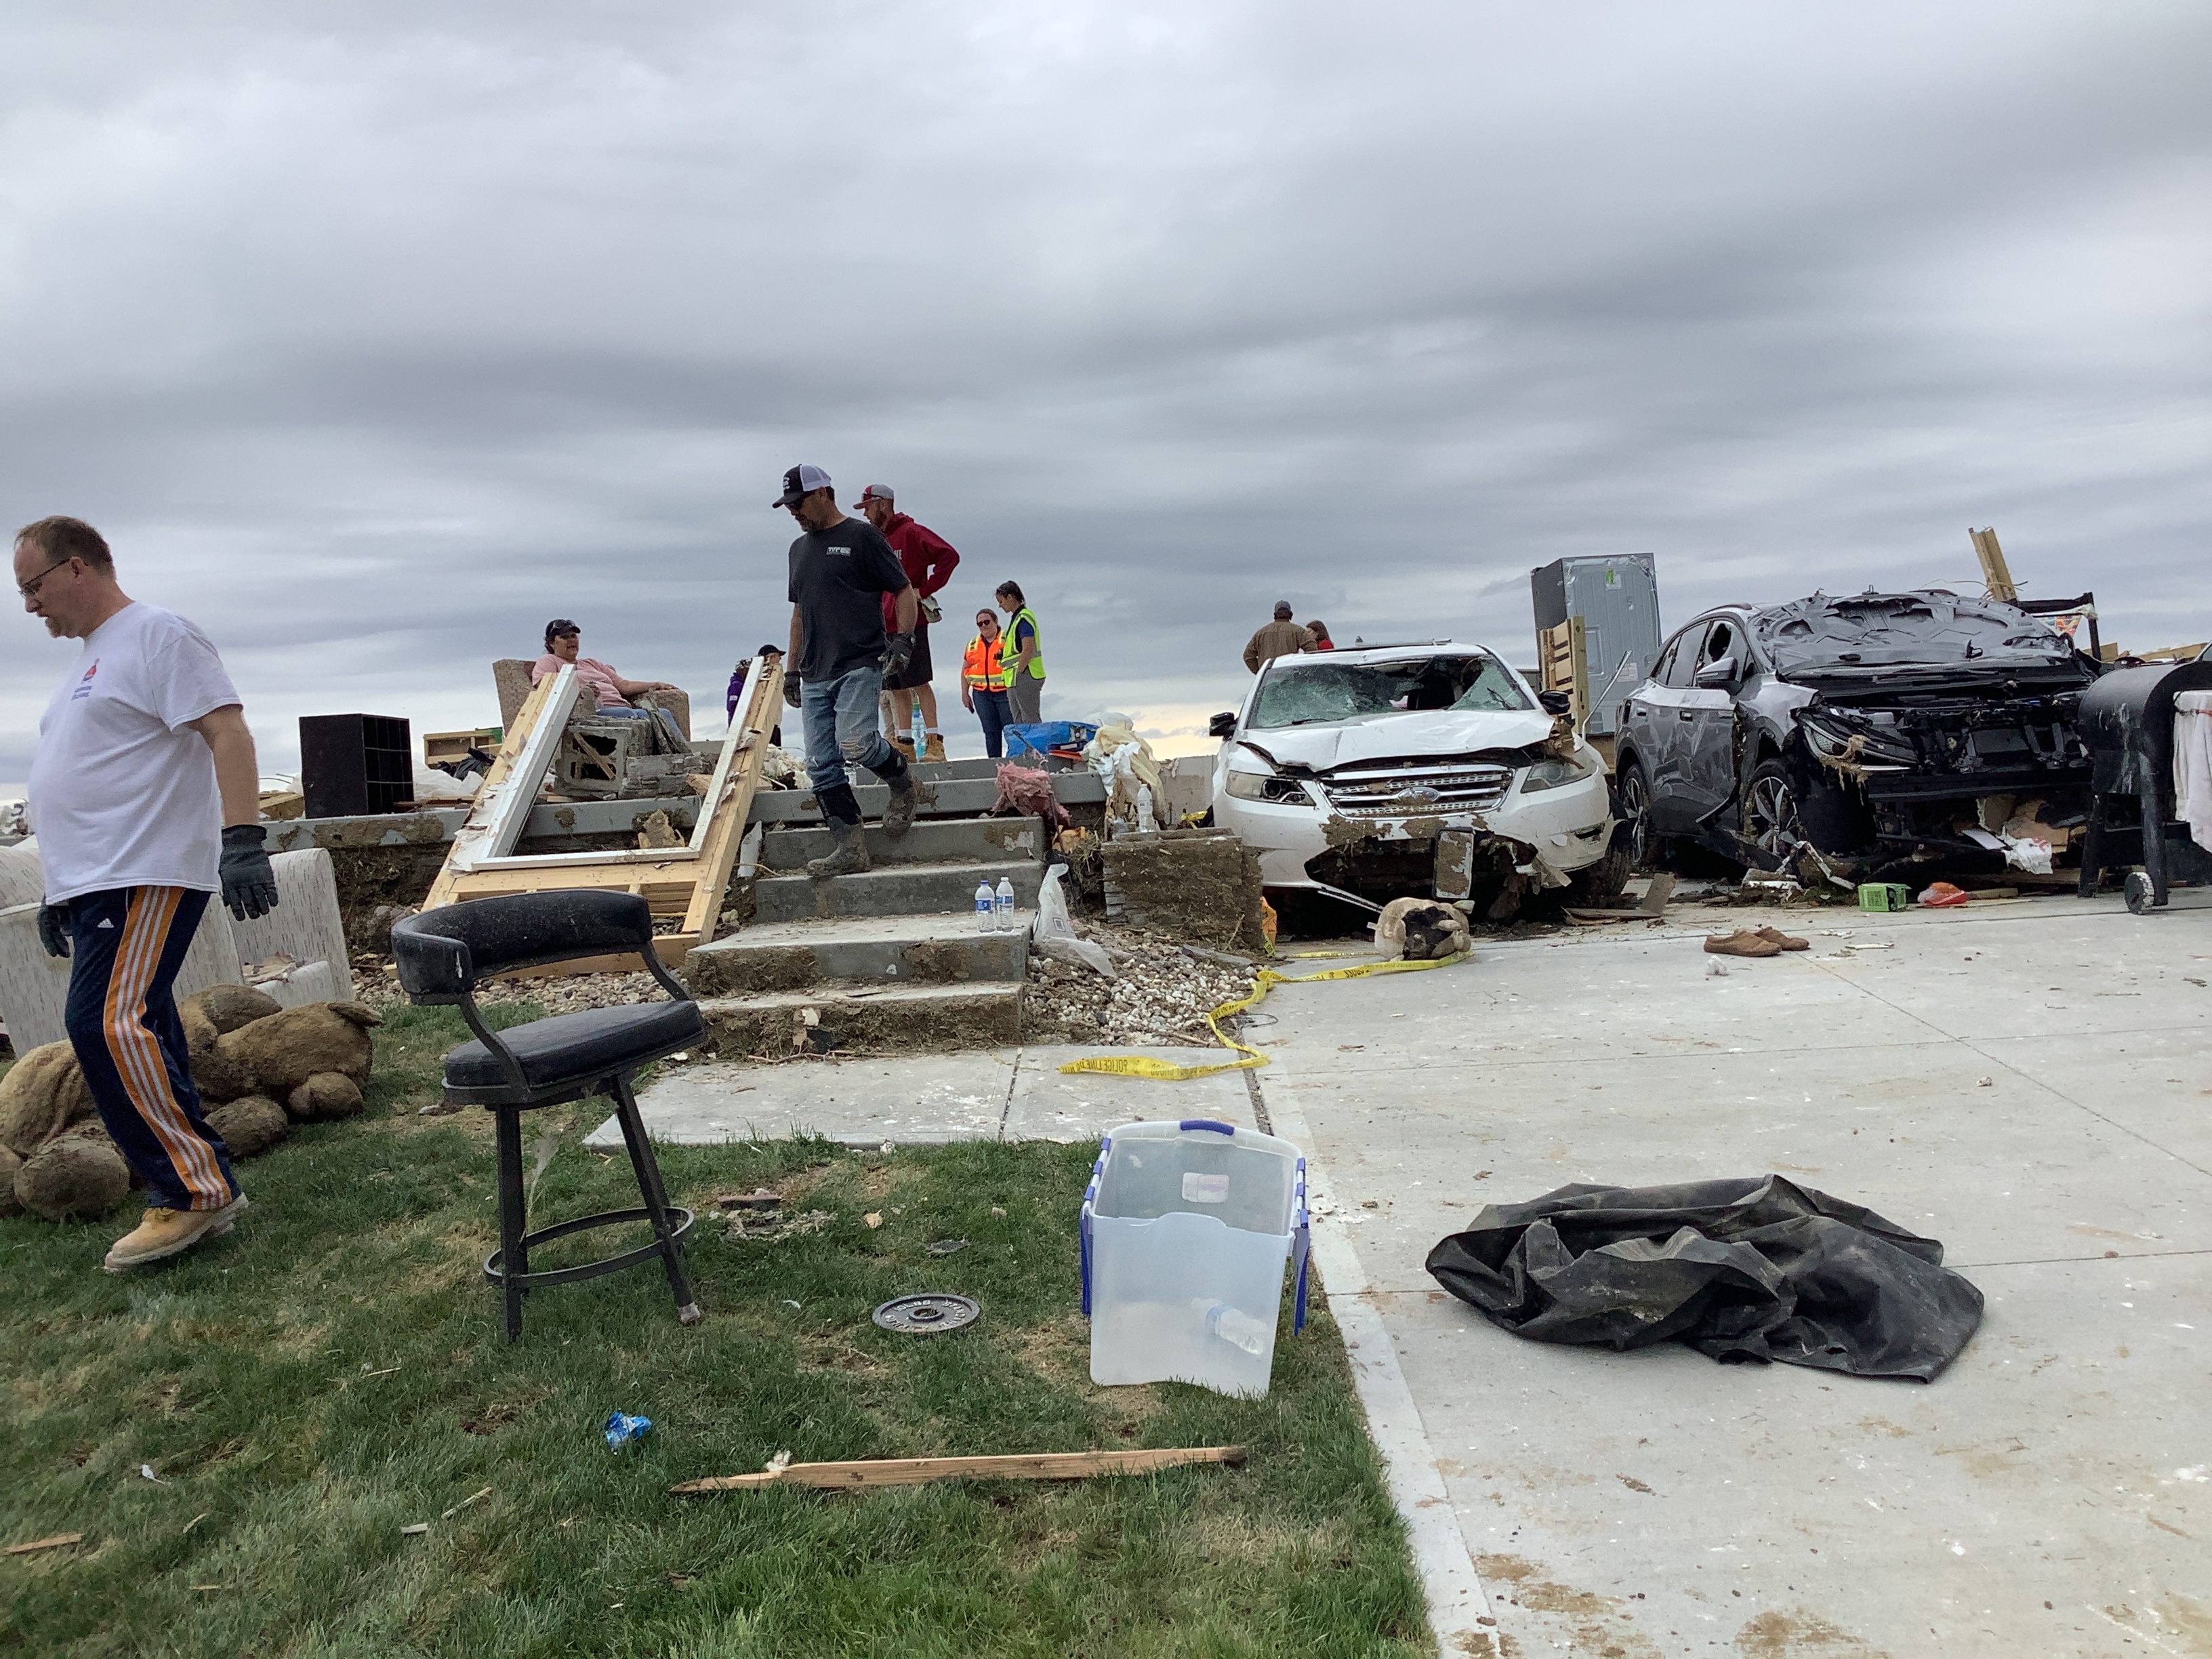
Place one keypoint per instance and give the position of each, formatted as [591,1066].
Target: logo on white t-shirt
[84,686]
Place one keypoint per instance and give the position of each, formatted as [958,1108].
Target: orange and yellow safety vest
[983,668]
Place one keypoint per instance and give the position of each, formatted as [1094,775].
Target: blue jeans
[844,730]
[996,710]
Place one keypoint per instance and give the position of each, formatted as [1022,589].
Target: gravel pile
[1159,994]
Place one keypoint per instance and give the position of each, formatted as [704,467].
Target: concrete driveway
[2030,1083]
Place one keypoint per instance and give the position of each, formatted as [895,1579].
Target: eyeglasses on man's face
[29,590]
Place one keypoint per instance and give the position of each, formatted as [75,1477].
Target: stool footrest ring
[496,1272]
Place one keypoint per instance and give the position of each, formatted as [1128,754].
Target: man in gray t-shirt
[840,568]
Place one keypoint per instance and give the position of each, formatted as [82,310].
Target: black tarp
[1748,1270]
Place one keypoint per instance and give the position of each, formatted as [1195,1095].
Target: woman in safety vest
[1026,673]
[983,680]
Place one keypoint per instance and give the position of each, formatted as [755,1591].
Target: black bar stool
[443,953]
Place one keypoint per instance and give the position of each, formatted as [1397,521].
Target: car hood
[1439,732]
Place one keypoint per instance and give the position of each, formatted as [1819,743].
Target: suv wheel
[1647,848]
[1770,811]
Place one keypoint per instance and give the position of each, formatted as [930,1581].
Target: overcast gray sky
[373,335]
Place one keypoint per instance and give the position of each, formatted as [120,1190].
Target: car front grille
[1395,791]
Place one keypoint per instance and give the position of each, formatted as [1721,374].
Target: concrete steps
[900,950]
[907,1018]
[900,890]
[957,797]
[931,840]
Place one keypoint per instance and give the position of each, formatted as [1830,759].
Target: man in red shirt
[928,560]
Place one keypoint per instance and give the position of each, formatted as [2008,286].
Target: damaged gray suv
[1880,731]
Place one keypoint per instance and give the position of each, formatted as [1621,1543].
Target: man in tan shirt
[1279,638]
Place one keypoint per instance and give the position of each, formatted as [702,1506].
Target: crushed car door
[1705,725]
[1659,712]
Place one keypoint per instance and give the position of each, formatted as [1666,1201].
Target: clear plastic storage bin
[1186,1229]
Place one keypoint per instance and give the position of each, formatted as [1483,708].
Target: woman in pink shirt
[611,689]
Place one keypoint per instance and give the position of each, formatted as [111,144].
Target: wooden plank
[915,1471]
[605,856]
[740,738]
[515,794]
[671,948]
[1996,574]
[723,813]
[60,1539]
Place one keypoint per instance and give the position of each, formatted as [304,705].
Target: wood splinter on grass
[915,1471]
[59,1540]
[465,1503]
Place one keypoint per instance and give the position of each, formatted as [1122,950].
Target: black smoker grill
[2127,720]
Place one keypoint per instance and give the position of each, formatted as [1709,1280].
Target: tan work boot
[165,1232]
[933,747]
[1742,943]
[905,746]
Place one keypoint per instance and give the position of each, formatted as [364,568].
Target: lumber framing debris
[687,881]
[915,1471]
[1996,574]
[1563,662]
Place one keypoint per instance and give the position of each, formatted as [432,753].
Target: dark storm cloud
[376,335]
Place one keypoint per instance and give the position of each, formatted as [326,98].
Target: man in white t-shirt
[145,799]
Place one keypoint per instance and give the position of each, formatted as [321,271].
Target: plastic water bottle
[986,908]
[921,730]
[1002,907]
[1236,1327]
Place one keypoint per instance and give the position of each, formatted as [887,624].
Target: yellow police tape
[1162,1071]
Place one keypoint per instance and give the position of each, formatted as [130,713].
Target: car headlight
[1551,773]
[1265,785]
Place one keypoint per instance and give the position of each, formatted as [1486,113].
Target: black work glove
[249,885]
[53,929]
[790,689]
[896,655]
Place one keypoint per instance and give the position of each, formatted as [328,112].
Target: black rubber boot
[849,857]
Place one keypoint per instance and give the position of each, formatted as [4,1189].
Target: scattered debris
[759,1228]
[945,1246]
[915,1471]
[759,1199]
[1160,995]
[621,1428]
[874,1219]
[415,1530]
[1421,930]
[465,1503]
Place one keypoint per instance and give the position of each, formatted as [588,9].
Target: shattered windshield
[1302,693]
[1934,629]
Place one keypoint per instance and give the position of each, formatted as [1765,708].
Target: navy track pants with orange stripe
[125,946]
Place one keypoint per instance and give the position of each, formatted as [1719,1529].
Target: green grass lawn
[334,1371]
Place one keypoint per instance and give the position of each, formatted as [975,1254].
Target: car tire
[1597,885]
[1769,811]
[1646,849]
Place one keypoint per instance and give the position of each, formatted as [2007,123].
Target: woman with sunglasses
[985,677]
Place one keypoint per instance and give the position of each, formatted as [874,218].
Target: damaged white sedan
[1426,770]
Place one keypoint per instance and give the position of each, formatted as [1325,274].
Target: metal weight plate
[927,1315]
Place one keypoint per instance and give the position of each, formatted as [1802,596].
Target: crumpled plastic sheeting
[1750,1270]
[2192,765]
[1125,761]
[1025,789]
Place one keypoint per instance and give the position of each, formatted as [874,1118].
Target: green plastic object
[1884,895]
